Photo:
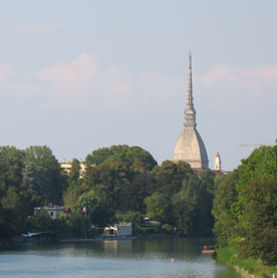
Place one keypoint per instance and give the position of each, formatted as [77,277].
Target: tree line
[245,208]
[121,183]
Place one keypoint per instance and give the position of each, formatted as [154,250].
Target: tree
[132,194]
[92,206]
[169,176]
[158,207]
[42,175]
[130,217]
[41,222]
[192,207]
[135,157]
[225,197]
[245,207]
[260,218]
[72,194]
[74,173]
[12,213]
[261,165]
[108,179]
[12,199]
[208,179]
[11,164]
[8,225]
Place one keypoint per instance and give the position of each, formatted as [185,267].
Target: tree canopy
[245,206]
[120,182]
[135,156]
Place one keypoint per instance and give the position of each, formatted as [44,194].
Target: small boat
[208,251]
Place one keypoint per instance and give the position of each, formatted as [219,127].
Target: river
[156,258]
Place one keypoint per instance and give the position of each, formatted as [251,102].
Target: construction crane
[250,145]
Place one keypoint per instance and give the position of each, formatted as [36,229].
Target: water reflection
[115,259]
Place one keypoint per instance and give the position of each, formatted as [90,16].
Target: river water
[156,258]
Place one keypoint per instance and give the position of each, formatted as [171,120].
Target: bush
[149,230]
[269,255]
[167,228]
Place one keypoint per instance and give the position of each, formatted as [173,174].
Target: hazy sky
[79,75]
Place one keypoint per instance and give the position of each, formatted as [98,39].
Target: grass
[230,257]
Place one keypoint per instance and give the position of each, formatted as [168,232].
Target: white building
[217,163]
[53,211]
[122,229]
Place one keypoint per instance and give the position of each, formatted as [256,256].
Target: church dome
[191,149]
[190,146]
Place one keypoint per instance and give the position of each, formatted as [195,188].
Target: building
[217,162]
[190,146]
[67,165]
[122,229]
[53,211]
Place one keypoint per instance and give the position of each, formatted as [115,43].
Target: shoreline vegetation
[247,267]
[123,184]
[119,184]
[245,215]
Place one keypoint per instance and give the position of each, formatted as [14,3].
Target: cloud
[41,28]
[8,75]
[6,71]
[84,67]
[217,73]
[117,84]
[253,78]
[84,81]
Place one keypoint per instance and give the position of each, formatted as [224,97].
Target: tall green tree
[259,216]
[158,207]
[74,173]
[108,180]
[245,207]
[13,213]
[226,195]
[169,177]
[11,164]
[42,178]
[192,207]
[72,194]
[98,211]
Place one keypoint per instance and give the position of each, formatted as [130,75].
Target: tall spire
[190,120]
[190,146]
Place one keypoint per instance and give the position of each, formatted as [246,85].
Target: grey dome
[191,149]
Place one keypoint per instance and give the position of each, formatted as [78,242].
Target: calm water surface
[114,259]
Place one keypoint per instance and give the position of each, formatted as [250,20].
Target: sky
[80,75]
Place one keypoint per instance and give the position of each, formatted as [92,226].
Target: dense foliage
[28,178]
[245,207]
[134,157]
[121,183]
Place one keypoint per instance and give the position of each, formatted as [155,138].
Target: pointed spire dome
[190,119]
[190,146]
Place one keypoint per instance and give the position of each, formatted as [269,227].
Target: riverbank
[248,268]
